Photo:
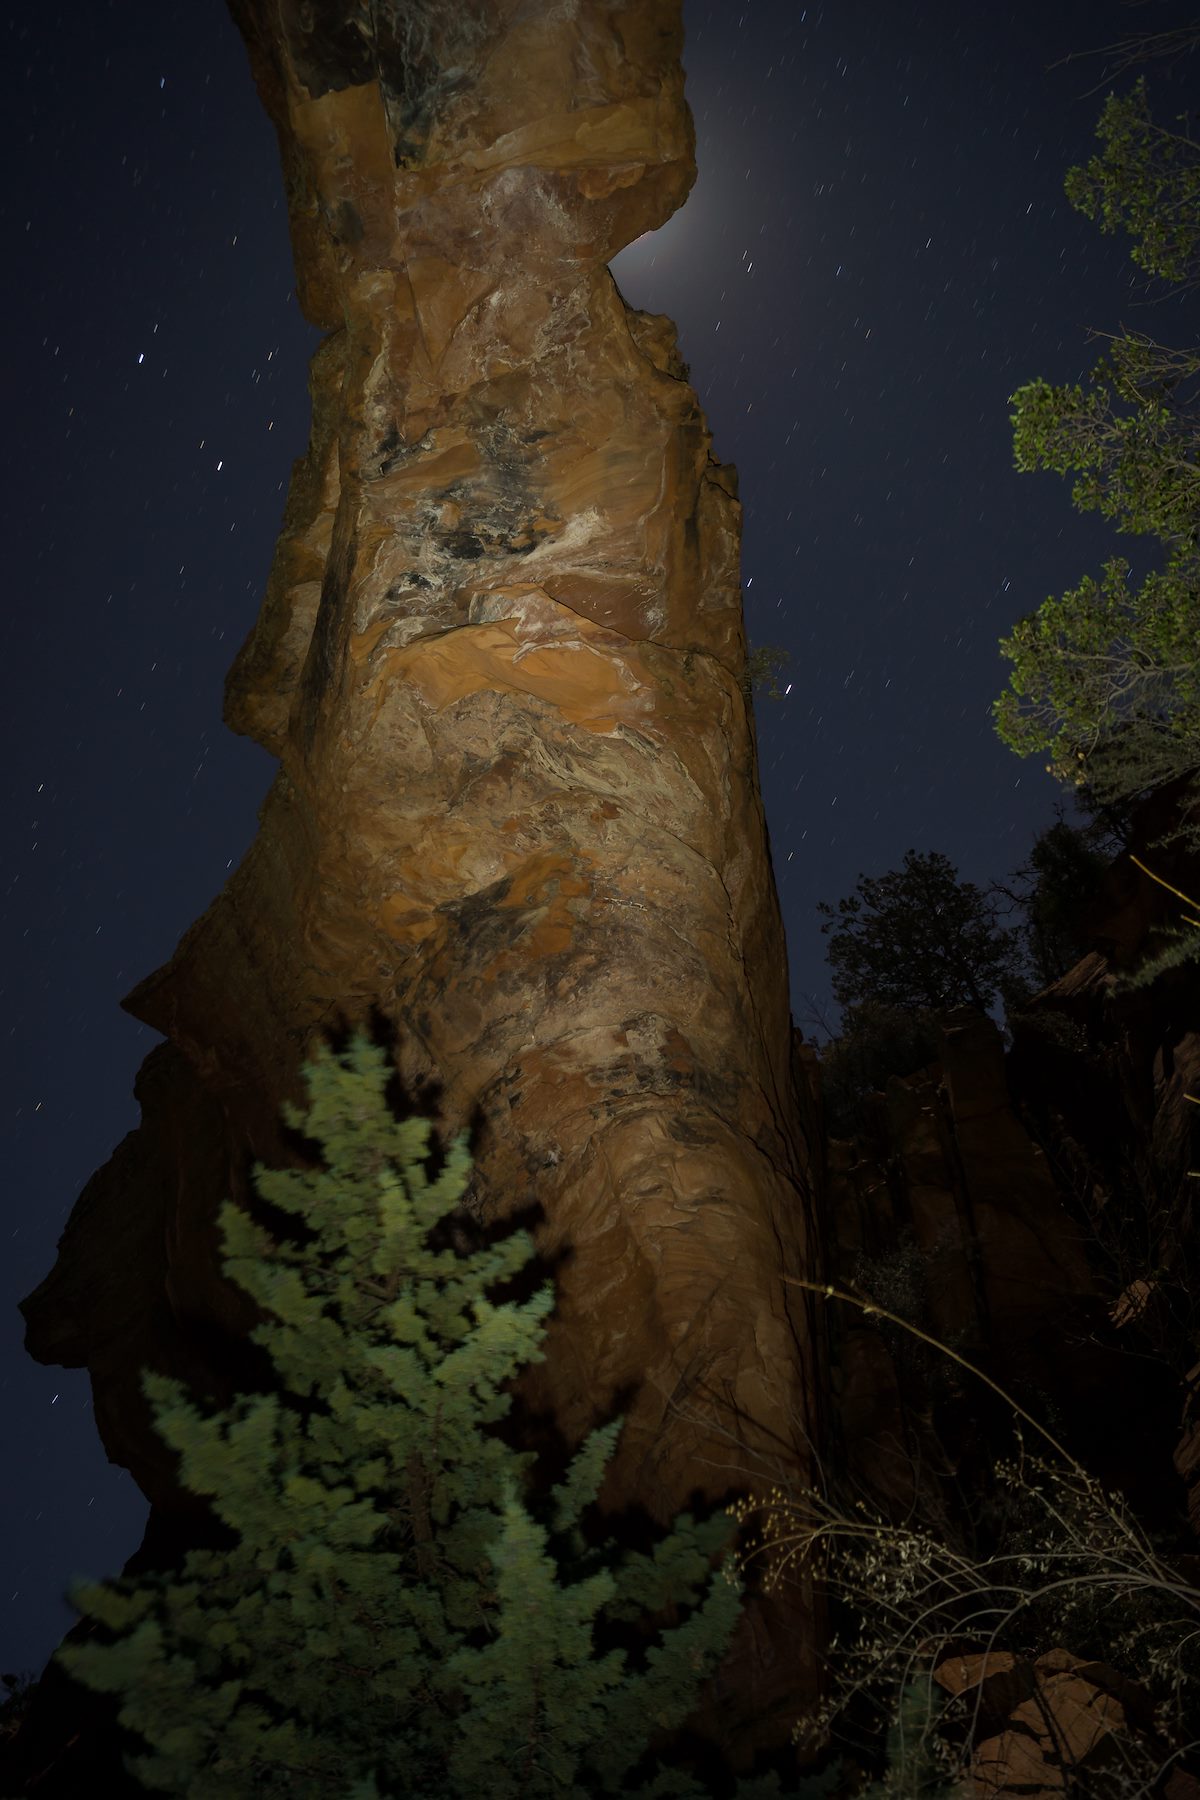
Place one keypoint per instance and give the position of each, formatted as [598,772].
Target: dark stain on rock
[393,450]
[345,225]
[685,1132]
[399,591]
[463,544]
[326,649]
[330,44]
[500,509]
[481,925]
[430,51]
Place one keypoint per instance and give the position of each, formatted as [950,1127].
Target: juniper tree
[918,938]
[399,1614]
[1113,665]
[905,947]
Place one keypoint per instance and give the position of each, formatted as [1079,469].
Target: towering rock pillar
[501,662]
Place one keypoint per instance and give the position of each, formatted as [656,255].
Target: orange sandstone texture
[500,660]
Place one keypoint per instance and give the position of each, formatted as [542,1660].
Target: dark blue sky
[876,254]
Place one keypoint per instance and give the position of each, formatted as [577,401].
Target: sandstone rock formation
[517,817]
[500,660]
[1049,1725]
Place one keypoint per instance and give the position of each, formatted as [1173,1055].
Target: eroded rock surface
[1046,1725]
[500,660]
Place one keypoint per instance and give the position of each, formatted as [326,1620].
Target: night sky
[876,254]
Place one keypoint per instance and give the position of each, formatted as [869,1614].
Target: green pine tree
[398,1615]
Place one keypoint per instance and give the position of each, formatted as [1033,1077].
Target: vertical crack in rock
[499,659]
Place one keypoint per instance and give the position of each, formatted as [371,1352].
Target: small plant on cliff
[399,1614]
[1071,1568]
[764,665]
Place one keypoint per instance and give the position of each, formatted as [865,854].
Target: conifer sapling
[399,1614]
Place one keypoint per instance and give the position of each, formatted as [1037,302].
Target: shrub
[1070,1565]
[399,1613]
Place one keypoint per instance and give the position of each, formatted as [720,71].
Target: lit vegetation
[1106,677]
[1074,1567]
[399,1612]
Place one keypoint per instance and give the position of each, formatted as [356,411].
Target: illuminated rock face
[501,662]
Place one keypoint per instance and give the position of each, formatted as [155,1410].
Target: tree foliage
[1114,661]
[918,938]
[1062,1563]
[1145,181]
[1053,889]
[18,1692]
[905,947]
[1102,656]
[875,1042]
[894,975]
[764,667]
[399,1614]
[1111,783]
